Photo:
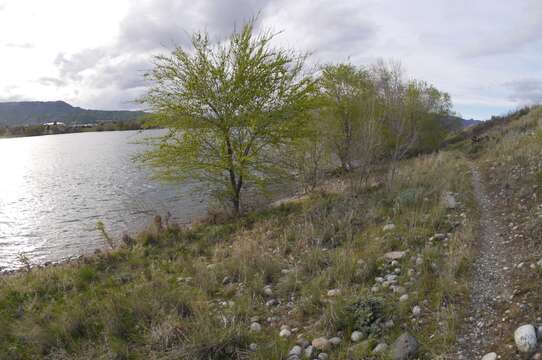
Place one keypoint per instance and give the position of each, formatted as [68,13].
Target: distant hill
[470,122]
[37,112]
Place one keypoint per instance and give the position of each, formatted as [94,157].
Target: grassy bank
[311,268]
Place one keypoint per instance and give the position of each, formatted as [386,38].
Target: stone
[296,350]
[490,356]
[268,291]
[255,327]
[380,348]
[335,341]
[388,227]
[310,351]
[356,336]
[525,338]
[403,298]
[416,311]
[449,200]
[321,343]
[395,255]
[323,356]
[253,347]
[285,333]
[333,292]
[405,347]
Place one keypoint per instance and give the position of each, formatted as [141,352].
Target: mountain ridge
[20,113]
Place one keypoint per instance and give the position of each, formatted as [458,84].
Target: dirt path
[491,283]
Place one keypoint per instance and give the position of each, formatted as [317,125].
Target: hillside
[37,112]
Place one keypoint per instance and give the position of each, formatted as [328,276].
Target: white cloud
[93,53]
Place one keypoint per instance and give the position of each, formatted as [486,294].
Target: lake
[54,189]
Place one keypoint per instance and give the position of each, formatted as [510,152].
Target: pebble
[323,356]
[356,336]
[255,327]
[380,348]
[321,343]
[310,351]
[388,227]
[285,333]
[253,347]
[335,341]
[525,338]
[490,356]
[296,350]
[403,298]
[334,292]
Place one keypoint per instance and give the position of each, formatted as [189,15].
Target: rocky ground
[502,321]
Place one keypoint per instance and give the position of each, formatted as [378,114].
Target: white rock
[334,292]
[380,348]
[525,338]
[335,341]
[490,356]
[268,291]
[388,227]
[395,255]
[253,347]
[416,311]
[356,336]
[403,298]
[285,333]
[255,327]
[323,356]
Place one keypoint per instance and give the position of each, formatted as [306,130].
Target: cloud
[25,46]
[526,91]
[51,81]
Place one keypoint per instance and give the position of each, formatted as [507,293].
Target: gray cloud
[51,81]
[526,91]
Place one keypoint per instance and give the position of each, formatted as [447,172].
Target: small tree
[346,91]
[228,108]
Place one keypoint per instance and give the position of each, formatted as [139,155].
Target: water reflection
[53,190]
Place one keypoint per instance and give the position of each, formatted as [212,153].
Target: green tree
[347,92]
[229,108]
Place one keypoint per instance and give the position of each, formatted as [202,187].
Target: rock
[405,347]
[490,356]
[375,289]
[268,291]
[323,356]
[285,333]
[253,347]
[539,332]
[333,292]
[255,327]
[335,341]
[356,336]
[403,298]
[537,356]
[310,351]
[388,227]
[296,350]
[321,343]
[395,255]
[380,348]
[449,200]
[271,302]
[416,311]
[525,338]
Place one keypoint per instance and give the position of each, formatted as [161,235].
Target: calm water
[53,190]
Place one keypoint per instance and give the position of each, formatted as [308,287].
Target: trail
[491,283]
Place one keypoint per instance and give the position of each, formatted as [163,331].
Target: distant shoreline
[42,130]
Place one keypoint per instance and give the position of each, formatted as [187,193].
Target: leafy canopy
[227,107]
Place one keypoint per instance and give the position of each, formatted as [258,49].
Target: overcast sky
[92,53]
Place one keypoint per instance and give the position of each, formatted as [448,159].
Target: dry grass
[191,293]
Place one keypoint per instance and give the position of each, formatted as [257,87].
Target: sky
[485,53]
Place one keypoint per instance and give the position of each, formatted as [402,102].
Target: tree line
[243,113]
